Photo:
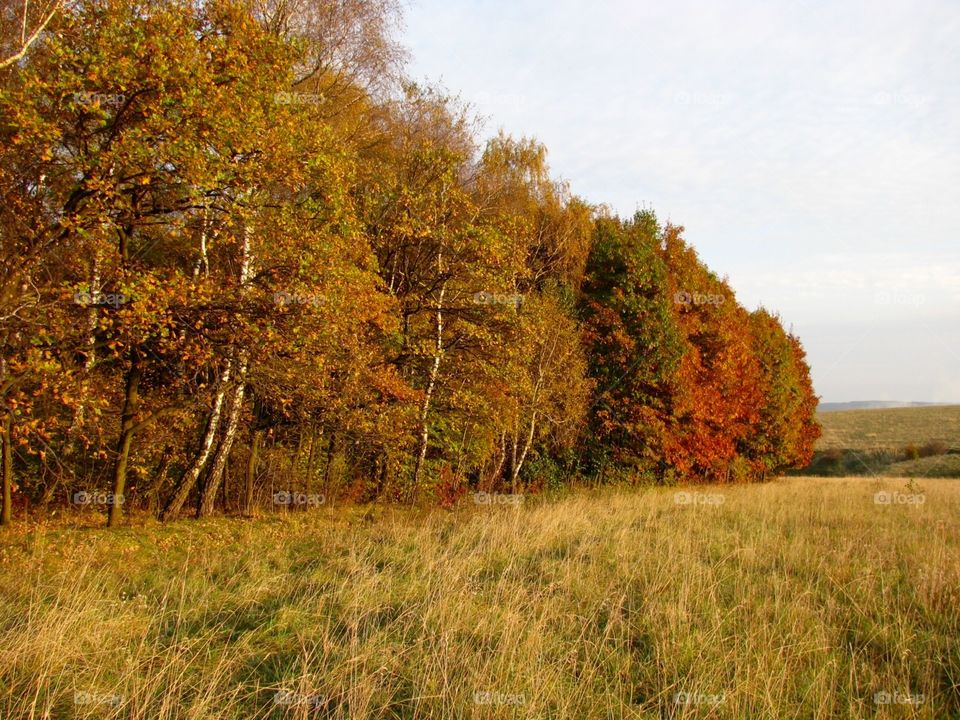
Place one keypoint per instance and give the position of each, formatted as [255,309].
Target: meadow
[256,268]
[917,442]
[799,598]
[889,428]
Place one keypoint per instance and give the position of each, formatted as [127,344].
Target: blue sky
[811,150]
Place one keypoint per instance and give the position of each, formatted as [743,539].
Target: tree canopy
[244,262]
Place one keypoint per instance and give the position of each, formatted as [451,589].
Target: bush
[934,447]
[542,472]
[741,470]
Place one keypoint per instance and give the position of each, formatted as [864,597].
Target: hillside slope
[889,429]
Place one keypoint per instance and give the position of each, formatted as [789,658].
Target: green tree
[635,345]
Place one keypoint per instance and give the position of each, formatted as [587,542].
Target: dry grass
[928,467]
[797,599]
[889,429]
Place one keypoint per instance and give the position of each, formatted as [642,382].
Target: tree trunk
[517,465]
[428,394]
[252,468]
[311,457]
[202,261]
[514,441]
[93,316]
[518,462]
[223,450]
[293,467]
[6,514]
[130,401]
[189,478]
[159,474]
[270,473]
[331,449]
[497,473]
[226,443]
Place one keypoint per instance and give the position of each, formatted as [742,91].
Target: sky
[810,149]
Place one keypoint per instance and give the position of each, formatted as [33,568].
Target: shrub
[911,452]
[934,447]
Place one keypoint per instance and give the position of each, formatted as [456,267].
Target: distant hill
[872,405]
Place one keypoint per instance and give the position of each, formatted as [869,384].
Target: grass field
[936,466]
[801,598]
[888,442]
[889,428]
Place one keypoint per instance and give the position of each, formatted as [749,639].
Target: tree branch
[33,38]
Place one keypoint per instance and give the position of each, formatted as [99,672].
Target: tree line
[245,262]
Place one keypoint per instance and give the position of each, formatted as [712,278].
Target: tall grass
[796,599]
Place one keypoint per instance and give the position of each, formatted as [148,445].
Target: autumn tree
[718,394]
[237,243]
[634,342]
